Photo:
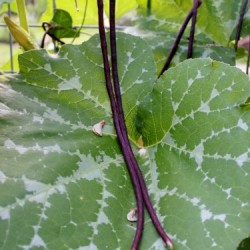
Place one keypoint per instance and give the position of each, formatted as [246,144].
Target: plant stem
[192,30]
[83,20]
[122,143]
[248,55]
[46,27]
[149,7]
[239,26]
[22,14]
[177,40]
[76,4]
[115,76]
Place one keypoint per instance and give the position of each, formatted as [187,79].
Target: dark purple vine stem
[119,123]
[145,194]
[192,30]
[177,40]
[248,55]
[240,23]
[114,107]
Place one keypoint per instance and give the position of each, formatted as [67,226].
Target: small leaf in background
[161,45]
[5,1]
[211,40]
[91,17]
[216,19]
[61,25]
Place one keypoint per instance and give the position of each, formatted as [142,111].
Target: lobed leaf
[63,187]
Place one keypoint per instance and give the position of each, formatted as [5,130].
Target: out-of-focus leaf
[122,7]
[217,19]
[4,1]
[61,25]
[161,46]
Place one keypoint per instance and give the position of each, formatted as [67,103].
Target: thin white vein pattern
[91,246]
[72,83]
[6,91]
[197,153]
[204,106]
[200,158]
[52,115]
[85,95]
[4,213]
[240,160]
[33,185]
[37,118]
[101,216]
[153,175]
[36,241]
[175,104]
[130,57]
[5,110]
[175,239]
[205,213]
[89,167]
[242,124]
[21,149]
[3,177]
[42,192]
[158,244]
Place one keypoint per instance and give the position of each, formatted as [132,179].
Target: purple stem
[192,30]
[177,40]
[122,142]
[140,178]
[248,55]
[239,26]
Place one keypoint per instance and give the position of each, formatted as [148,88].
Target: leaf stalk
[192,30]
[240,23]
[177,40]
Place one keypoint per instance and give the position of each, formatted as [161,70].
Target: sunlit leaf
[63,187]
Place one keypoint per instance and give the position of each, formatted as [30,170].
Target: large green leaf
[63,187]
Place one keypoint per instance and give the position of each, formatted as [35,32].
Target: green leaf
[217,19]
[162,44]
[166,9]
[77,15]
[244,244]
[63,187]
[122,7]
[61,25]
[91,13]
[4,1]
[4,6]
